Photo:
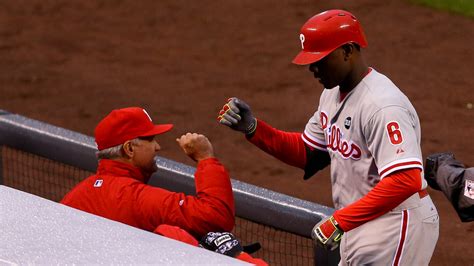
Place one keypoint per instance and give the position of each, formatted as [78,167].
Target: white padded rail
[34,230]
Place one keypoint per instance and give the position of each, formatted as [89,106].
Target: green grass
[465,7]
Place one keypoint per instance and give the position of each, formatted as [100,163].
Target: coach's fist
[237,115]
[196,146]
[327,233]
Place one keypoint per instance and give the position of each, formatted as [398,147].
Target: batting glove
[237,115]
[223,243]
[327,233]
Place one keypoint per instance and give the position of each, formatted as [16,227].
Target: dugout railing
[48,161]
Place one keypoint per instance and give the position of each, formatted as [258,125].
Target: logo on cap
[302,40]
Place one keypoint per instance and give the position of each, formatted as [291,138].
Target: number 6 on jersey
[394,133]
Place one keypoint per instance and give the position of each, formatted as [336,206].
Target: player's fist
[237,115]
[196,146]
[327,233]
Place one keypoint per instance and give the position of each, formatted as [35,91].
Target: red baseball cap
[126,124]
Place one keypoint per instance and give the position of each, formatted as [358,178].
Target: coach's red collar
[116,168]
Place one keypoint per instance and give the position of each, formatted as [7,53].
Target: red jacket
[118,192]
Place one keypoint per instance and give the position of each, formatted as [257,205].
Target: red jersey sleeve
[212,209]
[285,146]
[386,195]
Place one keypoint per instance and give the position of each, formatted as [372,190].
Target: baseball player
[443,172]
[369,132]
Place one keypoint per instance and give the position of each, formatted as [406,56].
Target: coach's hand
[196,146]
[327,233]
[237,115]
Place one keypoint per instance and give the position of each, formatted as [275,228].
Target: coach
[127,144]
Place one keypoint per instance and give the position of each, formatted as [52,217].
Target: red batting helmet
[327,31]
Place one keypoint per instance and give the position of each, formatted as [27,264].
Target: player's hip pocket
[433,219]
[428,211]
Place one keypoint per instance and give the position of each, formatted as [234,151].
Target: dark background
[69,63]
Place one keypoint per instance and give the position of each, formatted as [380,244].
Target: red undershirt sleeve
[386,195]
[288,147]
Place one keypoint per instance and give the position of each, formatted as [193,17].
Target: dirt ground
[69,63]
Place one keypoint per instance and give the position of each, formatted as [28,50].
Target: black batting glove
[237,115]
[223,243]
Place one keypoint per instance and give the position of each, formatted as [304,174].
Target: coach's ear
[127,149]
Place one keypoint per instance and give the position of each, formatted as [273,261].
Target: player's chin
[325,84]
[318,79]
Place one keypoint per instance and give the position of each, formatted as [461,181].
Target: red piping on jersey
[342,95]
[368,71]
[307,139]
[386,195]
[403,234]
[414,163]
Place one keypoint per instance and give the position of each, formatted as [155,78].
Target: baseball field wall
[48,161]
[37,231]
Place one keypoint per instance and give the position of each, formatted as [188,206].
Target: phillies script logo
[347,149]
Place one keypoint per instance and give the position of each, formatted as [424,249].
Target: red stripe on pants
[403,234]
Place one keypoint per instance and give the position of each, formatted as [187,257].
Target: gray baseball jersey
[371,133]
